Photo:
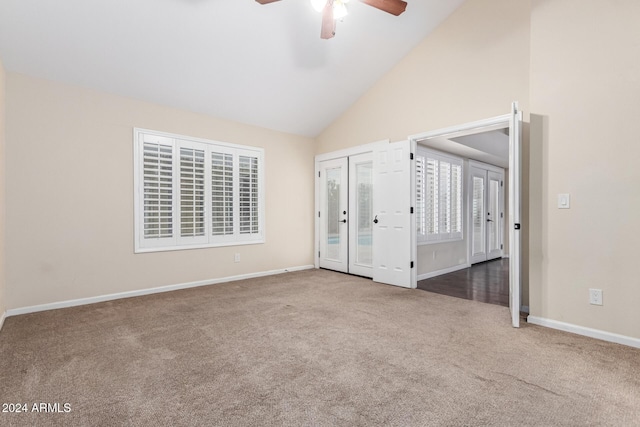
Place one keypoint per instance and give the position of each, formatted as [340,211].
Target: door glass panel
[494,209]
[333,213]
[478,215]
[364,194]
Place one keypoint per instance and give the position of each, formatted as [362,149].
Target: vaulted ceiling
[263,65]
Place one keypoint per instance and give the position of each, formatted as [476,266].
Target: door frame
[360,149]
[495,123]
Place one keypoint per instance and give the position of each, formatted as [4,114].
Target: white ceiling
[234,59]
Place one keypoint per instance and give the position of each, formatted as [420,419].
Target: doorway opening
[490,153]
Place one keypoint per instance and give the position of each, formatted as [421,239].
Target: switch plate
[595,296]
[564,201]
[236,258]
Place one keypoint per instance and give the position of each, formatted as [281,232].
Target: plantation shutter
[420,197]
[432,222]
[248,194]
[221,194]
[439,186]
[157,190]
[456,200]
[196,193]
[192,192]
[444,205]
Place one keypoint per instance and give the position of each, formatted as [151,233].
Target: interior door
[515,142]
[494,192]
[361,214]
[392,218]
[487,213]
[333,215]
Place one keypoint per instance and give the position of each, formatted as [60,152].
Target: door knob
[344,221]
[375,220]
[489,220]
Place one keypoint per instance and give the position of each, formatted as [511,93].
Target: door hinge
[318,214]
[318,254]
[410,156]
[501,214]
[501,183]
[411,264]
[501,247]
[411,209]
[318,174]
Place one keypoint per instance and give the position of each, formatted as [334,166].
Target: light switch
[564,201]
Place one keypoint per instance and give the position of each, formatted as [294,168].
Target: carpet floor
[310,348]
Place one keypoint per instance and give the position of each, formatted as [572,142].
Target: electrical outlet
[595,296]
[236,258]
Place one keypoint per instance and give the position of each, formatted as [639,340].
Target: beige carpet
[309,348]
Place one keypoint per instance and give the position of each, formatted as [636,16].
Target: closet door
[334,181]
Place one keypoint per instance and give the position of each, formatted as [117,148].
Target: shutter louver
[157,190]
[221,194]
[444,205]
[191,192]
[432,222]
[248,195]
[456,199]
[421,221]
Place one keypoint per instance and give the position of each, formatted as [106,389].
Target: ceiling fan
[335,9]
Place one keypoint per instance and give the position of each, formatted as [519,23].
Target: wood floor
[486,282]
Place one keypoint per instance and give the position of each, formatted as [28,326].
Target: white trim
[352,151]
[149,291]
[587,332]
[493,123]
[443,271]
[2,317]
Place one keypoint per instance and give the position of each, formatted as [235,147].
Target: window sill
[138,250]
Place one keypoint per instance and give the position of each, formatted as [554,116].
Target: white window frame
[176,242]
[422,237]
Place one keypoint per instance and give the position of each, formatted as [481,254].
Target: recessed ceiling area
[235,59]
[489,146]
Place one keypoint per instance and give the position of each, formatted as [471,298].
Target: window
[194,193]
[438,196]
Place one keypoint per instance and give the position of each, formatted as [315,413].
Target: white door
[334,194]
[361,214]
[392,217]
[495,213]
[487,213]
[515,142]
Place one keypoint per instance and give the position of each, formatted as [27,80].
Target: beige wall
[585,92]
[472,67]
[70,196]
[3,305]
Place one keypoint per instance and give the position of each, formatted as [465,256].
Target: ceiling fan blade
[266,1]
[328,23]
[394,7]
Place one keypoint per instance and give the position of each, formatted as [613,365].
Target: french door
[487,212]
[346,214]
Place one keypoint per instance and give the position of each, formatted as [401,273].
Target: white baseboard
[443,271]
[2,317]
[587,332]
[129,294]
